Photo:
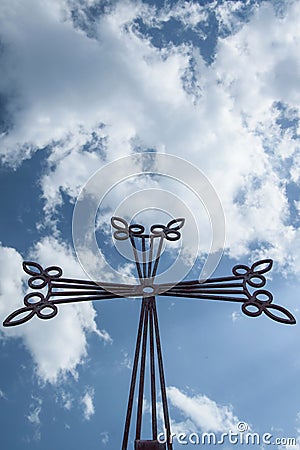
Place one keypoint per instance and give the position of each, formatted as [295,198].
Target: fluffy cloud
[119,93]
[202,413]
[88,405]
[2,395]
[104,437]
[296,446]
[11,278]
[57,346]
[34,417]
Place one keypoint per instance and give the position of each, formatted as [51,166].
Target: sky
[209,92]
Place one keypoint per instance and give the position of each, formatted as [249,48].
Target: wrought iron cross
[243,286]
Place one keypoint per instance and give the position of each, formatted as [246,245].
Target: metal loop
[32,295]
[58,272]
[43,315]
[180,222]
[158,230]
[121,226]
[262,292]
[121,235]
[28,267]
[236,270]
[258,306]
[136,229]
[172,234]
[116,221]
[266,263]
[39,285]
[284,315]
[256,284]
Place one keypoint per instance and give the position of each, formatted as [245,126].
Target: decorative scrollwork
[42,307]
[256,304]
[250,274]
[260,307]
[245,286]
[40,277]
[124,230]
[58,290]
[36,303]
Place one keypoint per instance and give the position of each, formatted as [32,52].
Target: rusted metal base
[149,445]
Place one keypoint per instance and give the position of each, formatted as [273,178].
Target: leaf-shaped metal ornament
[122,229]
[288,316]
[266,266]
[119,223]
[171,230]
[29,266]
[176,224]
[11,320]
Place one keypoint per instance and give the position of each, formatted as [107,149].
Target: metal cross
[243,286]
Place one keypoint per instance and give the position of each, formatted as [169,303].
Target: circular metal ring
[255,284]
[32,295]
[57,271]
[136,229]
[172,235]
[238,267]
[32,282]
[121,235]
[158,230]
[42,315]
[262,292]
[259,309]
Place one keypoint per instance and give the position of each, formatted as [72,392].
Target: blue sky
[84,83]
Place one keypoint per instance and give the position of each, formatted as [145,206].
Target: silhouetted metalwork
[243,286]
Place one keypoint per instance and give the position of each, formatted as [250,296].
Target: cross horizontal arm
[244,286]
[50,289]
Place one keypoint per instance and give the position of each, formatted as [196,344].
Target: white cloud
[202,413]
[11,279]
[64,339]
[127,361]
[224,133]
[87,403]
[2,395]
[34,417]
[104,437]
[116,79]
[66,399]
[190,14]
[235,316]
[289,445]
